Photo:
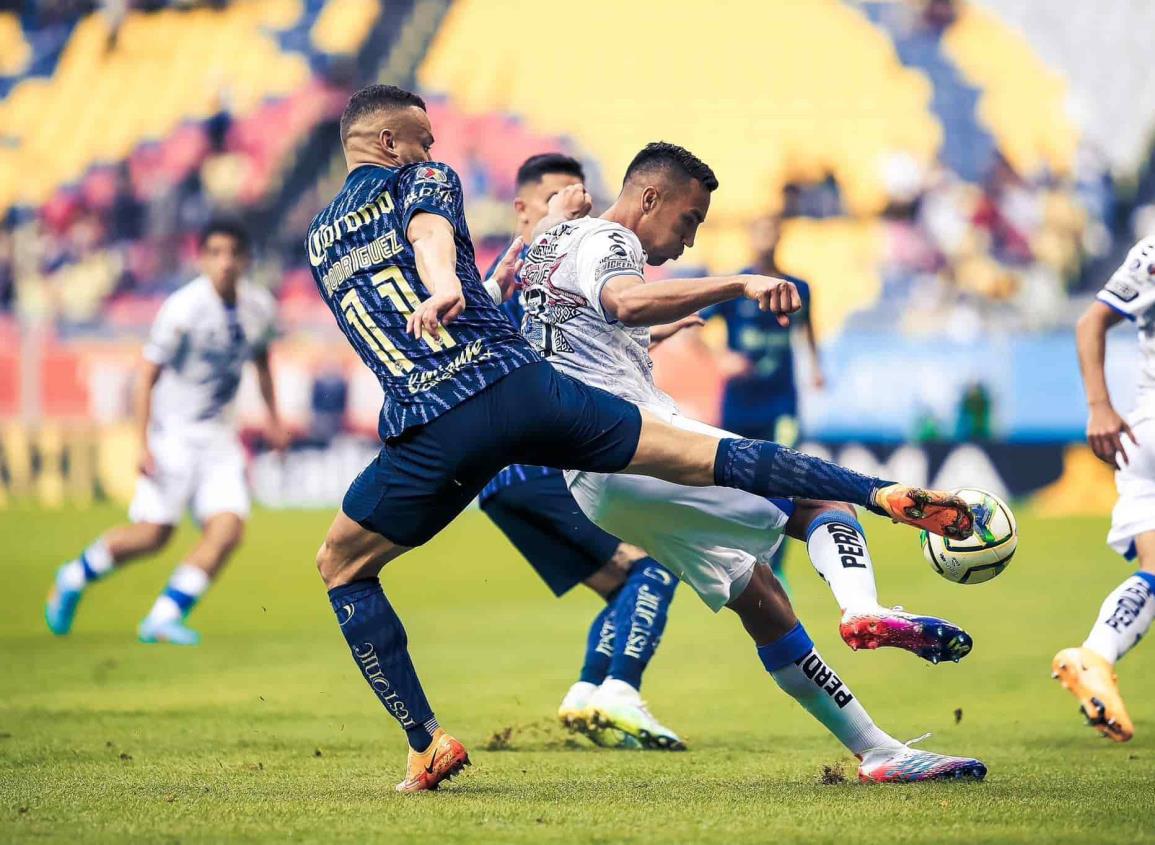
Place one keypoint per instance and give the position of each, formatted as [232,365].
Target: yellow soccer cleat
[1091,679]
[444,758]
[936,511]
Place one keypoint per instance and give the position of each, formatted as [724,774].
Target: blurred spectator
[974,413]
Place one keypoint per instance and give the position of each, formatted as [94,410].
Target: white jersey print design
[564,273]
[1131,292]
[202,346]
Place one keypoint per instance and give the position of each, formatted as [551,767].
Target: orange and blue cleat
[936,511]
[1089,677]
[444,758]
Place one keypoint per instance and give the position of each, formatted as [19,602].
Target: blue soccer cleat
[174,632]
[910,765]
[60,609]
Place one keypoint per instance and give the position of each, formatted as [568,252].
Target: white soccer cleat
[573,715]
[903,764]
[618,706]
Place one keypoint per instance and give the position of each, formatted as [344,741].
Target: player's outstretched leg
[349,561]
[790,657]
[838,549]
[693,457]
[165,622]
[1088,671]
[639,618]
[117,547]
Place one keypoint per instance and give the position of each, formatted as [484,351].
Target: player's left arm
[817,377]
[664,332]
[570,203]
[278,436]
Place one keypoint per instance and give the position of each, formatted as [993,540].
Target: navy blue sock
[600,645]
[639,615]
[381,648]
[768,469]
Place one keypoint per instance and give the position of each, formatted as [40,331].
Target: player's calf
[117,547]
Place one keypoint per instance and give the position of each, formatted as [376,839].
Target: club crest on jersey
[431,174]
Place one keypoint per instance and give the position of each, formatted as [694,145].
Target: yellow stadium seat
[343,25]
[14,50]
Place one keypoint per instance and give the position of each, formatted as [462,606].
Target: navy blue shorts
[425,477]
[541,518]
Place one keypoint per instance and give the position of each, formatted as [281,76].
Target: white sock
[75,575]
[797,667]
[836,544]
[814,685]
[1124,618]
[187,584]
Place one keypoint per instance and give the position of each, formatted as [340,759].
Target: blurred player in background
[761,393]
[534,509]
[190,456]
[466,395]
[1128,445]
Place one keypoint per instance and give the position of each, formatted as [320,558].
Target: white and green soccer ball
[985,553]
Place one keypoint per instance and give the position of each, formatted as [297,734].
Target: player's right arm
[1128,293]
[166,341]
[1105,426]
[632,301]
[147,378]
[435,252]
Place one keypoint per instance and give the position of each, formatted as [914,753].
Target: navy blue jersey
[516,473]
[769,390]
[365,270]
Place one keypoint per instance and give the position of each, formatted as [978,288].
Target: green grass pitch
[266,732]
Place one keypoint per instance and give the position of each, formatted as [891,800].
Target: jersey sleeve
[604,255]
[1131,289]
[167,333]
[430,187]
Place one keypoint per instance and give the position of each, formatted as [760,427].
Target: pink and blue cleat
[929,637]
[903,764]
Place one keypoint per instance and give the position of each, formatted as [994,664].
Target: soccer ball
[985,553]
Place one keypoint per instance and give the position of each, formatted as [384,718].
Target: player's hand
[507,273]
[777,296]
[818,380]
[146,464]
[1105,430]
[278,436]
[668,330]
[571,202]
[431,314]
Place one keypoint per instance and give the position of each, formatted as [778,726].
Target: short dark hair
[228,227]
[535,167]
[661,155]
[373,98]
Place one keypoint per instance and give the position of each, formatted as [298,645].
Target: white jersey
[202,346]
[563,276]
[1131,292]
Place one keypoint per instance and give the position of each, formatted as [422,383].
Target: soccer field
[267,732]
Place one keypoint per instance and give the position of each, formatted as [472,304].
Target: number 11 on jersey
[391,286]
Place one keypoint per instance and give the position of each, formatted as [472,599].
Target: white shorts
[202,470]
[710,537]
[1134,512]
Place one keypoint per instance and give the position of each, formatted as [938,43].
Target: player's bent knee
[153,536]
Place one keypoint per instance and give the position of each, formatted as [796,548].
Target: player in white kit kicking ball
[190,456]
[1126,614]
[588,311]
